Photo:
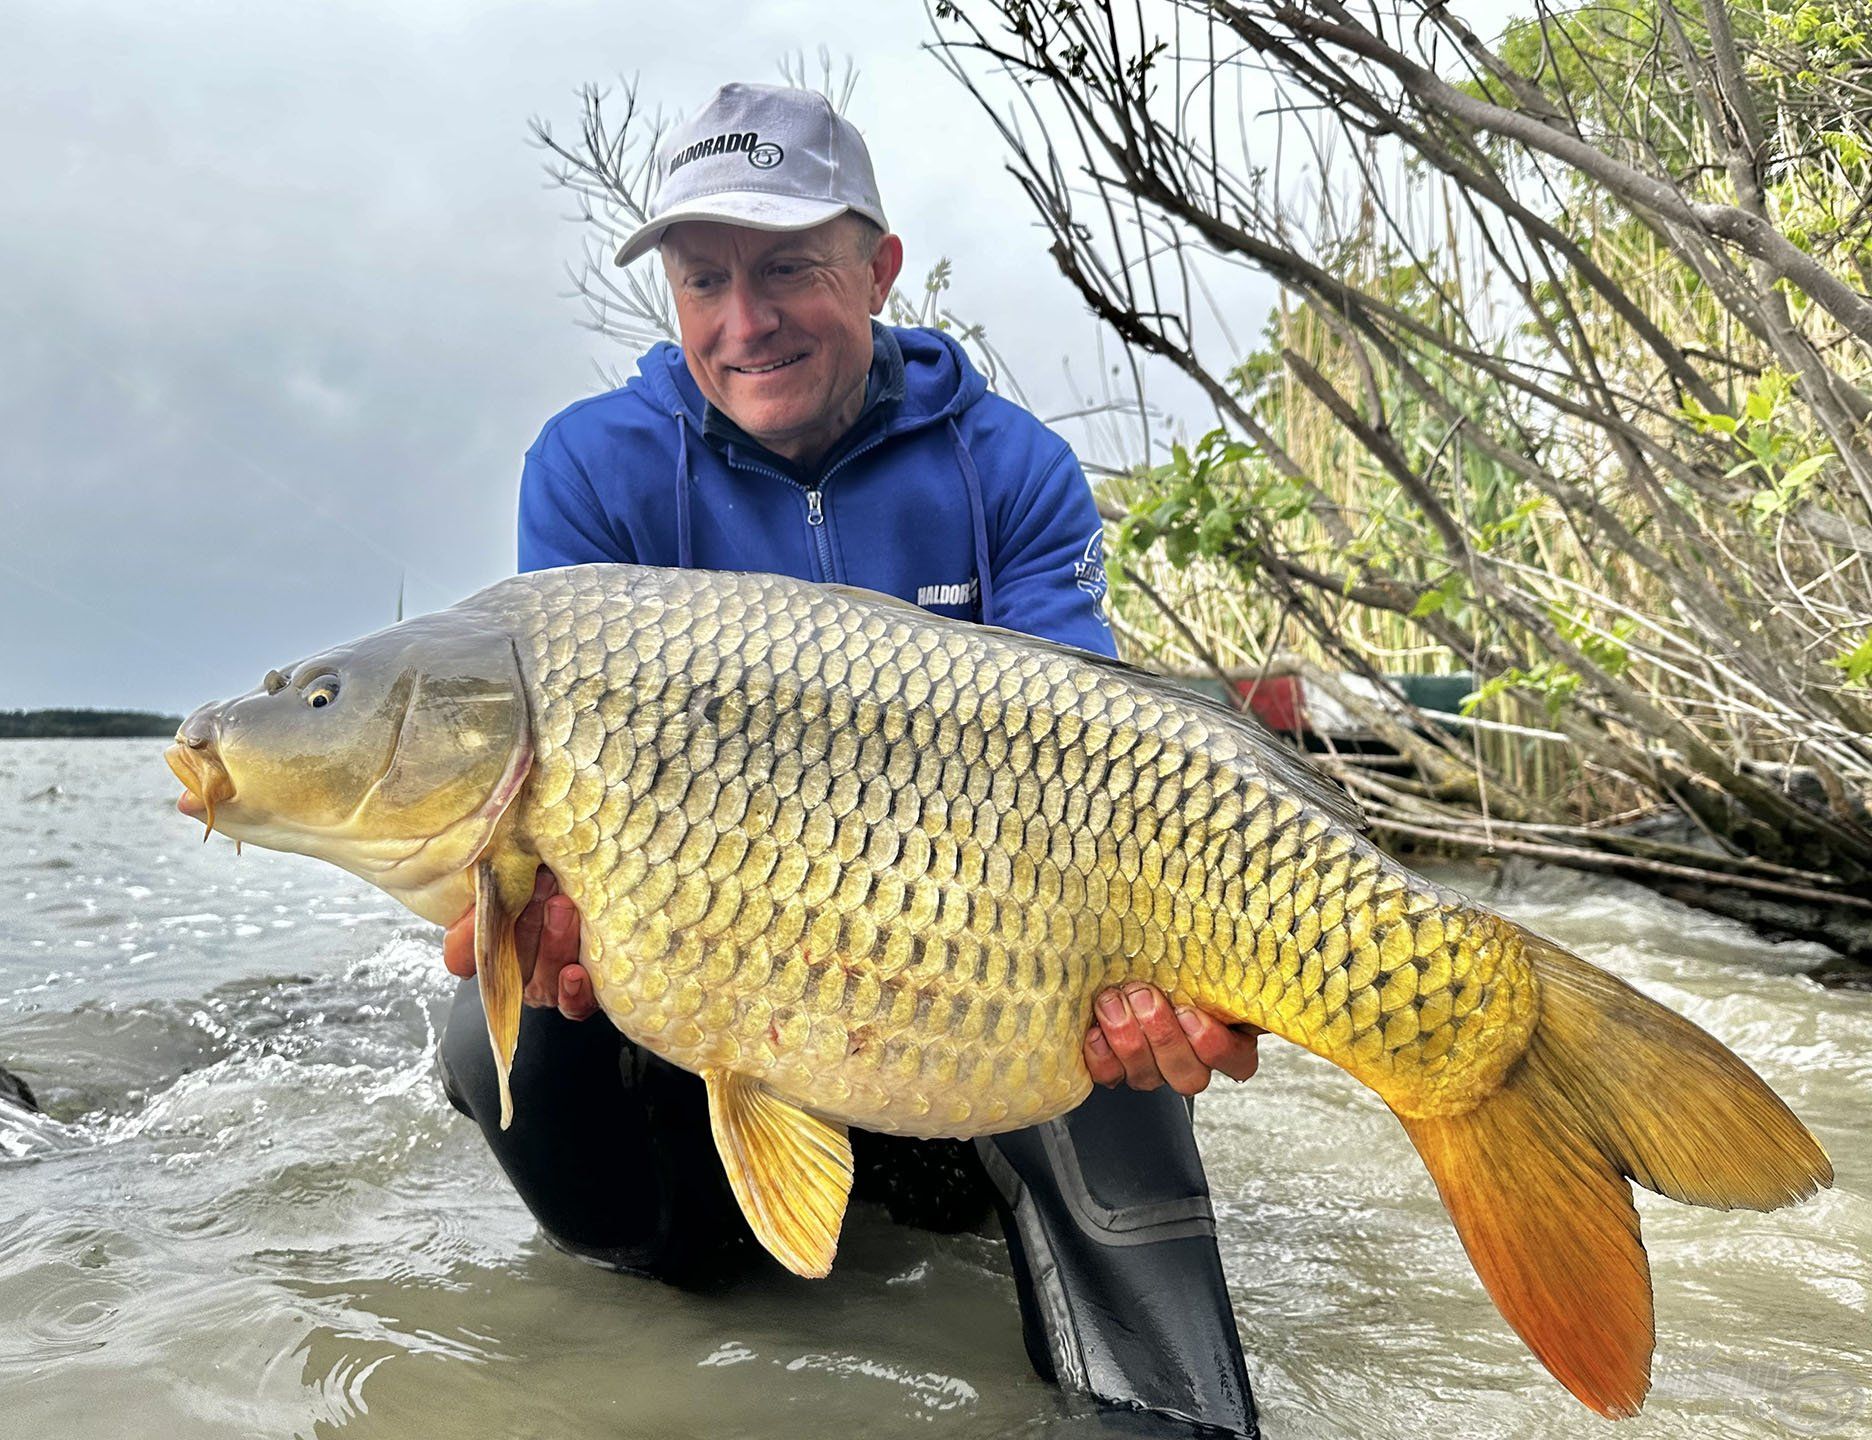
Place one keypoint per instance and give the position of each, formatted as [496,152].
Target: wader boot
[1113,1245]
[615,1159]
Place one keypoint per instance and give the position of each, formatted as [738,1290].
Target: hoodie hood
[939,381]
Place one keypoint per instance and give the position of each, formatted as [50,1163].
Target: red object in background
[1278,702]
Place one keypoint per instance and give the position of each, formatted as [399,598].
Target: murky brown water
[252,1214]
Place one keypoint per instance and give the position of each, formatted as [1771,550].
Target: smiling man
[791,433]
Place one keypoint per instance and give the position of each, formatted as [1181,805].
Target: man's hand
[547,934]
[1140,1039]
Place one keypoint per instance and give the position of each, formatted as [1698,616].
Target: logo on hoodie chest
[931,597]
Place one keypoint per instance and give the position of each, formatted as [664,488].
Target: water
[251,1213]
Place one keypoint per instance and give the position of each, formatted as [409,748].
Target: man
[790,433]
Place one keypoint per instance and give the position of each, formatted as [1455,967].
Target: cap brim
[756,209]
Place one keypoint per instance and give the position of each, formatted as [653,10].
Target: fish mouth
[205,782]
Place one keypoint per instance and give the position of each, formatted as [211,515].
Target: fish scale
[884,863]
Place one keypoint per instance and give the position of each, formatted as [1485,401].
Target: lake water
[250,1212]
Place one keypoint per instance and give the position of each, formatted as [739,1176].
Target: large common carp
[855,864]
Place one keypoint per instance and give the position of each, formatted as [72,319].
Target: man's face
[777,327]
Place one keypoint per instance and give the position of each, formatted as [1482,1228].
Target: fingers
[1143,1034]
[1105,1067]
[546,934]
[528,926]
[1230,1049]
[458,946]
[558,962]
[557,978]
[559,944]
[1169,1046]
[1140,1039]
[576,1001]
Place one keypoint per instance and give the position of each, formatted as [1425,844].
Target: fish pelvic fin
[1613,1087]
[790,1171]
[498,972]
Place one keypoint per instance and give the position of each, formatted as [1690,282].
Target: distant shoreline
[86,724]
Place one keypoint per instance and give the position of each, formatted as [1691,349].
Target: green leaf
[1857,662]
[1805,470]
[1491,689]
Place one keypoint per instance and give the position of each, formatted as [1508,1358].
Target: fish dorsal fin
[791,1172]
[497,969]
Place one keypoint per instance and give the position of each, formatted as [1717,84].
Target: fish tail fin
[1613,1086]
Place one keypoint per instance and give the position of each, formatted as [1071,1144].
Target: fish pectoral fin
[497,969]
[791,1172]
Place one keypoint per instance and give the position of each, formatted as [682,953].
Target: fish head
[394,757]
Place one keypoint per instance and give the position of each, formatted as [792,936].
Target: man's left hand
[1139,1038]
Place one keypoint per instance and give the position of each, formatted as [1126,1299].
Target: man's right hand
[547,935]
[1138,1038]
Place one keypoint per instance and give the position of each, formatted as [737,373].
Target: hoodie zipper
[815,521]
[815,499]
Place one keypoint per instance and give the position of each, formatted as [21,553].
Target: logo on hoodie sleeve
[1089,572]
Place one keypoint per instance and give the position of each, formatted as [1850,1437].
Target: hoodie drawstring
[685,553]
[978,517]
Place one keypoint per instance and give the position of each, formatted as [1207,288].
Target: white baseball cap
[763,156]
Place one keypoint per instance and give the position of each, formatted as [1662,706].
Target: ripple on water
[336,1368]
[929,1390]
[63,1294]
[27,1134]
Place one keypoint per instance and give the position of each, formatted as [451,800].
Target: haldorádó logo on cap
[764,156]
[761,155]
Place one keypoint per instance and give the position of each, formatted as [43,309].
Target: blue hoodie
[941,493]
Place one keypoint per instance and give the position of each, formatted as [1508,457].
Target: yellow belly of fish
[929,1007]
[927,1050]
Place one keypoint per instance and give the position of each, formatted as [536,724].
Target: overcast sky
[281,300]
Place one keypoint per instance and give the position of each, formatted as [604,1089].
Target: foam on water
[251,1212]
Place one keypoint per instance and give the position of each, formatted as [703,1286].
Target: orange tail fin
[1613,1086]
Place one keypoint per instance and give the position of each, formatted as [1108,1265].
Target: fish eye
[322,691]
